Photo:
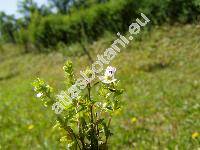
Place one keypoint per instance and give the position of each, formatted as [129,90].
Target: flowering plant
[87,118]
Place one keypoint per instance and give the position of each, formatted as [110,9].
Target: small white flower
[110,71]
[108,75]
[39,95]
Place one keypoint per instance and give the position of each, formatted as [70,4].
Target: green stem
[94,141]
[109,121]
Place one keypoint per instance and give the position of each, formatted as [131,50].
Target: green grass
[160,73]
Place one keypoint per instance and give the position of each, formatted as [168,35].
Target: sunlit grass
[160,74]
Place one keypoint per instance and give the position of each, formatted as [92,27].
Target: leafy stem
[94,141]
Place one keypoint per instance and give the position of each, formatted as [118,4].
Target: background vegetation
[159,70]
[86,20]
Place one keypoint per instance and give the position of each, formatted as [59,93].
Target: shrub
[173,11]
[113,16]
[90,23]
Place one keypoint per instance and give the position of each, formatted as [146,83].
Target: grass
[160,73]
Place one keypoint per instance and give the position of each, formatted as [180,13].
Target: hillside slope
[160,73]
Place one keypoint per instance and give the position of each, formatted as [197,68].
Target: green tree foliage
[66,6]
[44,10]
[29,7]
[62,6]
[7,27]
[94,21]
[172,11]
[26,8]
[43,28]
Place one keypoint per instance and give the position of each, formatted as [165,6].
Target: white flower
[108,75]
[39,95]
[110,71]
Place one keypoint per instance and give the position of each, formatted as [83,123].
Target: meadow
[160,72]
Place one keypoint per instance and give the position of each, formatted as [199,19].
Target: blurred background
[159,70]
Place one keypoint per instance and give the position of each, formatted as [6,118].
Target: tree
[26,8]
[102,1]
[62,6]
[7,27]
[83,3]
[44,10]
[65,6]
[87,3]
